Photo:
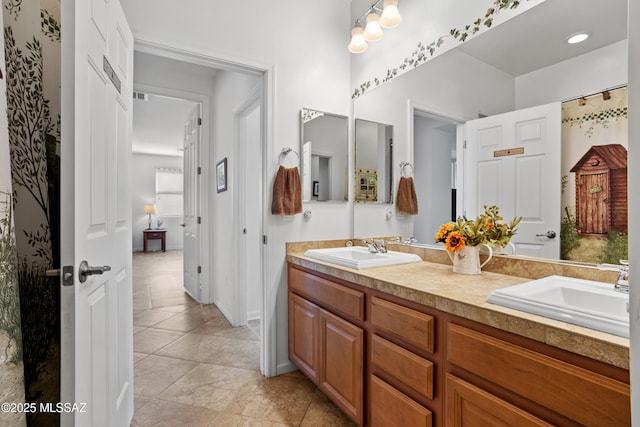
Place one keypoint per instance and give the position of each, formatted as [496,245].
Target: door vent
[140,96]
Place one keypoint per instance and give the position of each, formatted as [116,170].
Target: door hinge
[264,239]
[199,121]
[199,269]
[199,170]
[464,144]
[199,220]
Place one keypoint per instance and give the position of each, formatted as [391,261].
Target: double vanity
[411,343]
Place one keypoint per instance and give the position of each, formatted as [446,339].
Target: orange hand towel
[287,192]
[406,200]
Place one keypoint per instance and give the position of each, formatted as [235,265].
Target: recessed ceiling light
[577,38]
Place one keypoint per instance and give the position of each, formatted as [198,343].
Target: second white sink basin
[581,302]
[359,257]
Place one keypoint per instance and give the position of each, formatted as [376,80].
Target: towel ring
[285,152]
[403,166]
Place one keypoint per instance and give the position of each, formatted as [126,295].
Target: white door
[97,325]
[191,254]
[512,160]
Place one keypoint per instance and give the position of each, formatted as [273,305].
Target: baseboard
[255,315]
[285,368]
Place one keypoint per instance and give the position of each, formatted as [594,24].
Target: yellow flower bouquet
[487,228]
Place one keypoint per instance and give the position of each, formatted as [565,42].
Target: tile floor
[193,369]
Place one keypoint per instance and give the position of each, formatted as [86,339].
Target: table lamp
[149,209]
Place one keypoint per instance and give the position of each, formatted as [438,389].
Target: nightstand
[155,234]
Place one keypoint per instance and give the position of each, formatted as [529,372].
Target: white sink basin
[359,257]
[586,303]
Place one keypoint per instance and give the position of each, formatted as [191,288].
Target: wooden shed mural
[601,190]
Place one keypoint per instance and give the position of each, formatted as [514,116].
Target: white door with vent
[97,325]
[190,253]
[512,160]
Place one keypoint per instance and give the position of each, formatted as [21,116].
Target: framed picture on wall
[221,175]
[316,188]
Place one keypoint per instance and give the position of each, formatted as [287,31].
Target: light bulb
[373,31]
[390,15]
[358,44]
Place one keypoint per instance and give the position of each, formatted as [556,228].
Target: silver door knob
[86,270]
[549,234]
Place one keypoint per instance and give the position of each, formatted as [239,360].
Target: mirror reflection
[324,141]
[373,177]
[501,72]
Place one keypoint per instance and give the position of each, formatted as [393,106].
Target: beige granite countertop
[435,285]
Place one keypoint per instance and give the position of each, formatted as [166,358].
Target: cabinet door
[391,408]
[342,373]
[469,406]
[304,336]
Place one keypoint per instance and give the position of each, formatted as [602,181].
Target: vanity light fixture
[358,43]
[373,30]
[377,18]
[577,38]
[390,15]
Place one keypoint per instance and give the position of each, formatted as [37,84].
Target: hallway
[193,369]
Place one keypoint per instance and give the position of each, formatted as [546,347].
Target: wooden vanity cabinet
[525,382]
[325,346]
[386,361]
[403,365]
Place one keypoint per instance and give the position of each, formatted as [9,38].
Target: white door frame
[247,105]
[268,350]
[433,113]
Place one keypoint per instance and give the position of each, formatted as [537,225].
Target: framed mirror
[373,160]
[324,140]
[497,73]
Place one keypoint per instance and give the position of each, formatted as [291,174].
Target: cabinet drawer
[411,326]
[468,405]
[587,397]
[331,295]
[390,407]
[405,366]
[154,235]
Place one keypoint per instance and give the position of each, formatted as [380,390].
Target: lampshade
[390,15]
[149,209]
[358,43]
[373,31]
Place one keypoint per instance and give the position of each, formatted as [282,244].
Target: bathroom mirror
[324,156]
[373,159]
[486,76]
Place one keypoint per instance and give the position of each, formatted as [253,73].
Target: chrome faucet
[375,246]
[623,275]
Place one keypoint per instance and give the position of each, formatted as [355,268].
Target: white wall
[143,191]
[583,75]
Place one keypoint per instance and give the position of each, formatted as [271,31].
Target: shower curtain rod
[594,93]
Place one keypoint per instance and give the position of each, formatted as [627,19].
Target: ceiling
[158,124]
[538,37]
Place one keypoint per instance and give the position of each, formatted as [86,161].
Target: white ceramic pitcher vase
[467,259]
